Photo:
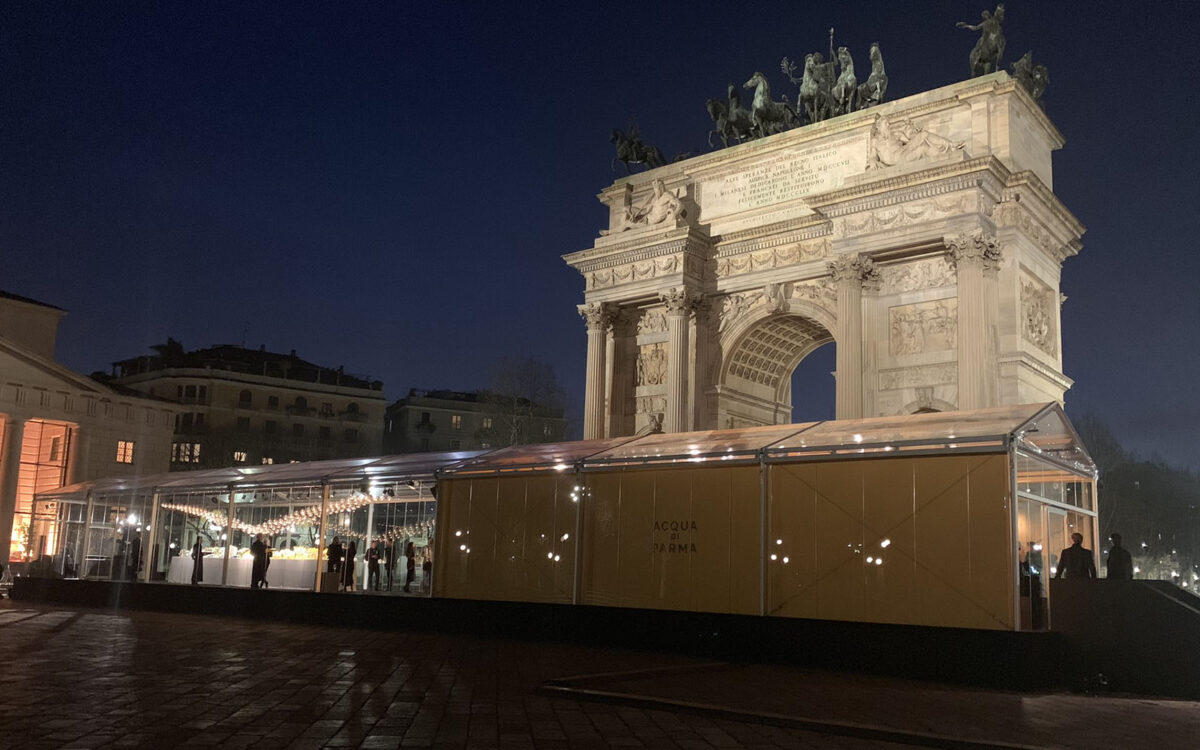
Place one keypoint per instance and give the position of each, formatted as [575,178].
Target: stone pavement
[95,678]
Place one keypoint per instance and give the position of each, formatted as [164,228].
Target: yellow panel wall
[919,540]
[506,538]
[675,537]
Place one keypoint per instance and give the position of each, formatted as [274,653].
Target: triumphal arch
[921,235]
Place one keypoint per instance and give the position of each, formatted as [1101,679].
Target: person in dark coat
[348,568]
[410,567]
[334,555]
[373,556]
[391,552]
[1076,561]
[198,554]
[1120,562]
[259,551]
[134,560]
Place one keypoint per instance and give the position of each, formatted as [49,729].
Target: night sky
[389,186]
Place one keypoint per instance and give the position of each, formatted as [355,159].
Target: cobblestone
[92,679]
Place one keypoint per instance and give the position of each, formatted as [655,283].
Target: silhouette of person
[1120,562]
[334,557]
[258,571]
[1076,561]
[373,566]
[348,568]
[410,567]
[198,554]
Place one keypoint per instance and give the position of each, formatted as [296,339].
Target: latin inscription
[783,177]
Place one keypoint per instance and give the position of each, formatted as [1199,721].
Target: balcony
[354,416]
[426,427]
[300,411]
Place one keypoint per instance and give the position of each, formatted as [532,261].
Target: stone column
[976,258]
[851,275]
[10,468]
[680,303]
[597,315]
[77,456]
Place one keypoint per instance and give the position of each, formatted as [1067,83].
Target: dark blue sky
[389,186]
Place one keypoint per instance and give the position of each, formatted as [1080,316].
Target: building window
[456,421]
[298,430]
[245,399]
[487,423]
[124,451]
[455,444]
[55,448]
[272,402]
[326,409]
[270,427]
[185,453]
[485,445]
[325,433]
[202,393]
[189,391]
[546,429]
[239,457]
[267,461]
[243,424]
[351,436]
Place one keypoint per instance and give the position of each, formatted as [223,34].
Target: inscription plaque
[784,176]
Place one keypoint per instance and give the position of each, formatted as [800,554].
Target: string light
[309,515]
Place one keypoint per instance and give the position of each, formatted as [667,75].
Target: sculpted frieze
[923,327]
[916,377]
[652,320]
[928,273]
[652,364]
[799,252]
[638,271]
[1037,316]
[892,217]
[1010,213]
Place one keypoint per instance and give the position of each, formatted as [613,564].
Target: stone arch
[759,355]
[925,405]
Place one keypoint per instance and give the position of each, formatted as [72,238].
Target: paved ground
[92,678]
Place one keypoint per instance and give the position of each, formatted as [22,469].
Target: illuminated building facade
[452,420]
[255,407]
[60,428]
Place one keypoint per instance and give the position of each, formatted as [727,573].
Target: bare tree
[527,400]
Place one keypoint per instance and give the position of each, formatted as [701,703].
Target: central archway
[758,361]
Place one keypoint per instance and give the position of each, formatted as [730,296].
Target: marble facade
[922,236]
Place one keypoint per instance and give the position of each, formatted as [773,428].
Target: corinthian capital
[975,248]
[855,269]
[679,301]
[598,315]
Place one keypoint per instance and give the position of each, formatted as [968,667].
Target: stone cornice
[926,183]
[685,240]
[1025,359]
[765,240]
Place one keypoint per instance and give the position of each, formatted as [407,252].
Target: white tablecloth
[282,574]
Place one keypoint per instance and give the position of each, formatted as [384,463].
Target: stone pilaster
[598,316]
[10,468]
[851,275]
[976,258]
[680,303]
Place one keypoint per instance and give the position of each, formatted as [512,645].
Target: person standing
[258,550]
[391,552]
[373,566]
[198,554]
[1076,561]
[410,567]
[1120,562]
[348,568]
[134,560]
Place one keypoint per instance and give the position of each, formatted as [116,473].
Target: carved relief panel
[652,364]
[929,273]
[923,327]
[1038,315]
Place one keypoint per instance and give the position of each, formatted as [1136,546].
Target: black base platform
[999,659]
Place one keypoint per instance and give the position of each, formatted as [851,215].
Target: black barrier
[985,658]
